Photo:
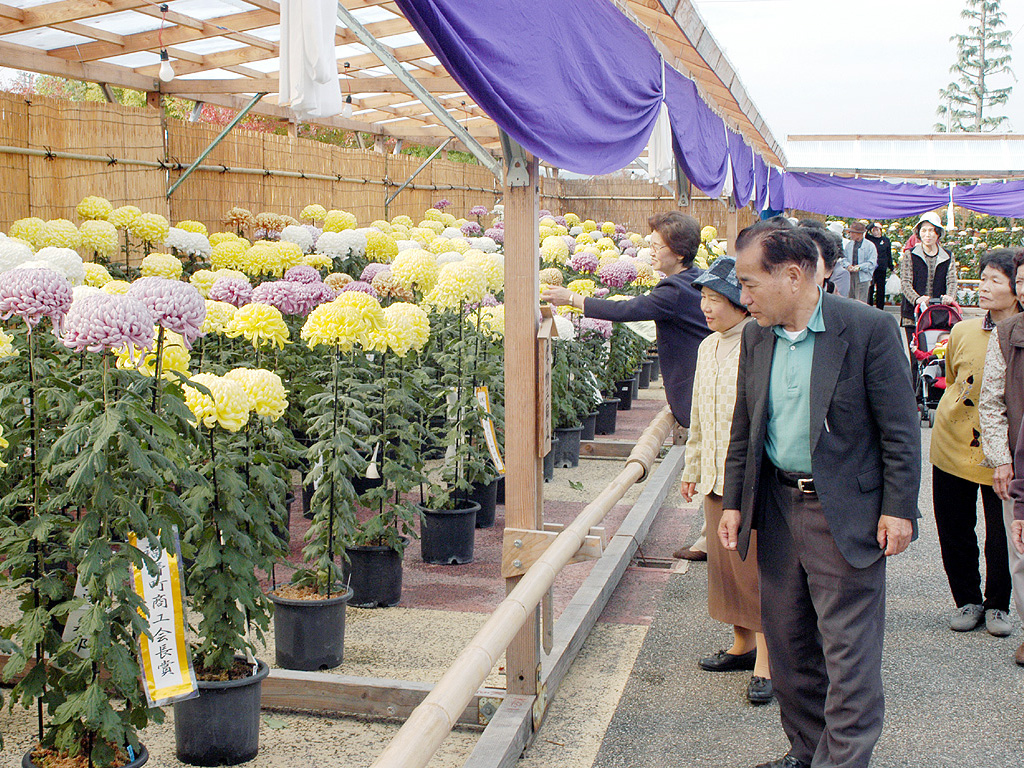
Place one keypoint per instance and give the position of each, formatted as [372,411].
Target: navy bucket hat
[721,278]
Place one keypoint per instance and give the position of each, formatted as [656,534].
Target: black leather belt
[803,483]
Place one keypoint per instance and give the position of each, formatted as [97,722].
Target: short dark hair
[827,245]
[810,224]
[781,246]
[680,232]
[1003,259]
[1018,257]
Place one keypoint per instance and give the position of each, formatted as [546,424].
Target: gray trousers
[859,290]
[1016,563]
[823,621]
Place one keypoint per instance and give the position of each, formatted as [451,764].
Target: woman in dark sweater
[673,305]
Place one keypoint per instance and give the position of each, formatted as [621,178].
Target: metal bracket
[516,171]
[682,187]
[540,702]
[485,709]
[522,547]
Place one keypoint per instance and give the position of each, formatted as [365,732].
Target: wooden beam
[34,60]
[506,736]
[49,14]
[10,12]
[269,84]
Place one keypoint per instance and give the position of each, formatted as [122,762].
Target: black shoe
[759,690]
[727,662]
[787,761]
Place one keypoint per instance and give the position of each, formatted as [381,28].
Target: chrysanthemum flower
[303,273]
[416,270]
[380,247]
[458,283]
[554,250]
[264,389]
[618,273]
[188,243]
[260,324]
[28,229]
[371,270]
[312,295]
[344,323]
[63,260]
[123,217]
[203,280]
[313,212]
[592,326]
[96,275]
[239,217]
[193,226]
[492,320]
[289,255]
[282,294]
[175,305]
[436,227]
[59,233]
[233,290]
[583,286]
[93,207]
[485,244]
[402,220]
[337,280]
[100,322]
[386,285]
[301,236]
[218,316]
[222,237]
[606,244]
[645,275]
[478,210]
[583,262]
[228,407]
[360,286]
[175,357]
[708,233]
[408,328]
[35,293]
[589,225]
[228,254]
[7,348]
[116,287]
[342,245]
[13,252]
[551,276]
[337,221]
[149,227]
[317,261]
[98,236]
[161,265]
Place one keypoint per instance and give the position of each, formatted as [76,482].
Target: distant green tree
[983,53]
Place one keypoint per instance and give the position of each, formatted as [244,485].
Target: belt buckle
[805,485]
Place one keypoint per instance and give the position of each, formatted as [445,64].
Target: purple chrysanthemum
[544,212]
[630,251]
[371,270]
[443,203]
[471,229]
[620,229]
[499,225]
[283,294]
[233,290]
[618,274]
[584,262]
[102,321]
[600,293]
[262,233]
[312,295]
[361,286]
[175,305]
[560,221]
[570,241]
[497,235]
[478,210]
[303,273]
[590,325]
[34,293]
[314,231]
[625,243]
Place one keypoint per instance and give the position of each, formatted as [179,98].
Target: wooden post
[378,144]
[732,228]
[524,468]
[153,99]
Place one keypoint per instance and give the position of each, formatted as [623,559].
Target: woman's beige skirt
[733,595]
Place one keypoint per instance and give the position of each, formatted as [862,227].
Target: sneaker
[998,623]
[967,617]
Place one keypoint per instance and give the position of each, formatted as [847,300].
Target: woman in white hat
[927,272]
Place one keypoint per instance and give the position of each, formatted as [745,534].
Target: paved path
[951,699]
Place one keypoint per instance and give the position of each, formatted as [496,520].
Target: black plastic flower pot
[375,576]
[655,367]
[636,385]
[364,484]
[549,460]
[140,759]
[307,501]
[589,425]
[309,635]
[607,413]
[501,490]
[486,495]
[645,374]
[222,725]
[624,391]
[568,452]
[447,536]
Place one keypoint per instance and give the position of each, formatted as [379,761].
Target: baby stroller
[928,348]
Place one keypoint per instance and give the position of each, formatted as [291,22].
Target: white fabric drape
[309,66]
[661,161]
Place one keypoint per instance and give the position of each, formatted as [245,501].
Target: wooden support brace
[522,548]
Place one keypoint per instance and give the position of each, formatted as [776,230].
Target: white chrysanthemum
[407,245]
[342,245]
[14,252]
[188,243]
[485,244]
[301,236]
[449,256]
[644,255]
[452,232]
[564,326]
[65,261]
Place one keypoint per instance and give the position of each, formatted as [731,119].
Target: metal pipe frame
[416,173]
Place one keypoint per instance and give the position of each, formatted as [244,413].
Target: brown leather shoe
[685,553]
[1019,655]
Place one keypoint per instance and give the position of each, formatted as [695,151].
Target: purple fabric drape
[742,158]
[760,183]
[572,81]
[860,198]
[776,190]
[698,134]
[994,199]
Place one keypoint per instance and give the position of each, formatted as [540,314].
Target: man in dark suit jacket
[824,461]
[883,246]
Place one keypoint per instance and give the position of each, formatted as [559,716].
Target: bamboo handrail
[430,723]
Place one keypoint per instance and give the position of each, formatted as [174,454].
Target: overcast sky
[851,66]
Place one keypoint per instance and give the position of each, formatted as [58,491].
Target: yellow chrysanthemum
[608,228]
[423,234]
[636,238]
[98,236]
[416,269]
[434,226]
[317,260]
[399,232]
[123,217]
[337,221]
[572,219]
[560,230]
[611,253]
[161,265]
[492,320]
[222,237]
[290,254]
[589,225]
[402,220]
[606,258]
[93,207]
[263,258]
[439,245]
[584,238]
[218,316]
[554,250]
[458,244]
[645,276]
[59,233]
[545,231]
[345,322]
[29,229]
[605,244]
[228,254]
[175,355]
[708,233]
[432,214]
[313,212]
[493,267]
[382,225]
[260,324]
[264,389]
[225,272]
[552,276]
[116,287]
[458,283]
[149,227]
[583,286]
[7,348]
[448,219]
[192,226]
[96,275]
[203,280]
[337,280]
[408,328]
[380,247]
[547,221]
[227,408]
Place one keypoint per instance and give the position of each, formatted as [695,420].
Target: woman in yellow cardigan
[958,470]
[733,595]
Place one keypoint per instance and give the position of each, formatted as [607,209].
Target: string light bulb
[346,111]
[166,72]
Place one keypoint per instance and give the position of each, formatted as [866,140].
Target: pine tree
[982,54]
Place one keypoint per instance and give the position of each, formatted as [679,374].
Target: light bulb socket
[164,56]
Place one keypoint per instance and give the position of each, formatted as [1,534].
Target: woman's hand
[557,295]
[922,300]
[687,490]
[1017,535]
[947,299]
[1001,478]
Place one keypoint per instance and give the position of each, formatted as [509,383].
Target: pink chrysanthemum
[175,305]
[102,321]
[496,234]
[471,229]
[370,271]
[361,286]
[590,325]
[584,262]
[34,293]
[282,294]
[618,274]
[478,210]
[312,295]
[302,273]
[233,290]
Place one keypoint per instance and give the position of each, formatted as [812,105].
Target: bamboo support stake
[432,721]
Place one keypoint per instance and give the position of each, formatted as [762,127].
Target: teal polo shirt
[788,441]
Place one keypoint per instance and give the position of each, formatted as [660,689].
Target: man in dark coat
[883,245]
[825,462]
